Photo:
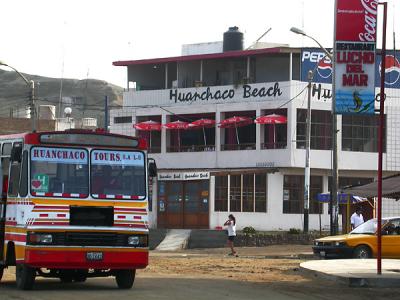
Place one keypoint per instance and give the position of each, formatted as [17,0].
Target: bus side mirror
[152,167]
[16,153]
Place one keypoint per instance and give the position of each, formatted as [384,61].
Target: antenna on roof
[264,34]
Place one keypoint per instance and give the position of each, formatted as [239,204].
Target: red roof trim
[229,54]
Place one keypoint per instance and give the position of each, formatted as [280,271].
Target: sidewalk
[273,251]
[356,272]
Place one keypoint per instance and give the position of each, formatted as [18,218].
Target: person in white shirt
[356,219]
[231,226]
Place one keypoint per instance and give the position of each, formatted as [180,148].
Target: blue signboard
[311,60]
[392,70]
[314,59]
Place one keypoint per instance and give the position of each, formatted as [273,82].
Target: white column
[218,134]
[259,139]
[163,134]
[248,68]
[201,70]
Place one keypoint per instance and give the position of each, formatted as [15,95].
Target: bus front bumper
[86,258]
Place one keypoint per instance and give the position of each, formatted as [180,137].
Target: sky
[81,38]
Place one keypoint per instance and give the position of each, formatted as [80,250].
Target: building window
[221,193]
[235,192]
[321,129]
[247,193]
[260,189]
[360,133]
[293,194]
[121,120]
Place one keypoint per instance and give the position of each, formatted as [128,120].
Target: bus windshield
[117,174]
[59,172]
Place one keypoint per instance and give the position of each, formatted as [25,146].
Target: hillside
[85,97]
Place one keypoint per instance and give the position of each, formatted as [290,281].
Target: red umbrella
[202,123]
[178,125]
[235,122]
[149,125]
[271,119]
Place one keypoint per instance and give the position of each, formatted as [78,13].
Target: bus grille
[90,239]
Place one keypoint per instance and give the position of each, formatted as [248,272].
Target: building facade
[254,171]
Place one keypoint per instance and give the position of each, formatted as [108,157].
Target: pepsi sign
[314,59]
[392,70]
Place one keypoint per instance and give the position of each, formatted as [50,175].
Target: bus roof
[78,137]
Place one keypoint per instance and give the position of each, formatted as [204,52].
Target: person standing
[356,218]
[231,226]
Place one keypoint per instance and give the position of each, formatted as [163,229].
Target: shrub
[294,231]
[249,231]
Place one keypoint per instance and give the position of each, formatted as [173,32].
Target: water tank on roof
[233,39]
[47,112]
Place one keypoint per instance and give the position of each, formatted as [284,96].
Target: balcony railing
[276,145]
[249,146]
[192,148]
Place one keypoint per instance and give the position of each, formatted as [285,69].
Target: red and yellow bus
[74,205]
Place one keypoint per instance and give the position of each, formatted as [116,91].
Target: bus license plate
[94,255]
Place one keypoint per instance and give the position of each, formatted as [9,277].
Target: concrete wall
[17,125]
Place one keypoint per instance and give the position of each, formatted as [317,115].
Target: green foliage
[249,231]
[294,231]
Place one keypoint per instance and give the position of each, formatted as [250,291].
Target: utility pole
[106,113]
[32,104]
[307,171]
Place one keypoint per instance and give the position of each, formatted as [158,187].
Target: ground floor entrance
[183,204]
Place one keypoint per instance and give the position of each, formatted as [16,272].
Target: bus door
[4,166]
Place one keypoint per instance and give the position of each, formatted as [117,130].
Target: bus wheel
[80,275]
[25,276]
[125,278]
[66,276]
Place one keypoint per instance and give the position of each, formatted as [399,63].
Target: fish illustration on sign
[357,101]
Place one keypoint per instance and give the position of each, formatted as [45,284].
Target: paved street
[207,274]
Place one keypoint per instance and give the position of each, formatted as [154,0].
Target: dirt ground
[264,264]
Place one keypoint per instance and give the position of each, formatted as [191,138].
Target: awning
[342,198]
[390,188]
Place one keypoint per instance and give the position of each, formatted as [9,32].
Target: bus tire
[25,276]
[125,278]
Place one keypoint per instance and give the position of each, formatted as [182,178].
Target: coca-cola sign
[356,20]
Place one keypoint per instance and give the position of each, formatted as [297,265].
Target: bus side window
[23,184]
[5,165]
[15,169]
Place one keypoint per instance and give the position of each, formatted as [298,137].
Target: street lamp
[335,173]
[31,85]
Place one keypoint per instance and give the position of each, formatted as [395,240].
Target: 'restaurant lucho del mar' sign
[355,43]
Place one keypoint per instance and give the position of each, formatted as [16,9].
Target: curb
[353,281]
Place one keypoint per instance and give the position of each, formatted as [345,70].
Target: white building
[255,172]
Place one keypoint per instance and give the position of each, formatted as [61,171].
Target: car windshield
[368,227]
[56,172]
[117,174]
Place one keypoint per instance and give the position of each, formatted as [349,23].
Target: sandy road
[269,273]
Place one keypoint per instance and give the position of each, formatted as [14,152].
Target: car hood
[343,237]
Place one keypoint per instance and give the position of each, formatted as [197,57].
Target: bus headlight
[40,238]
[133,240]
[140,240]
